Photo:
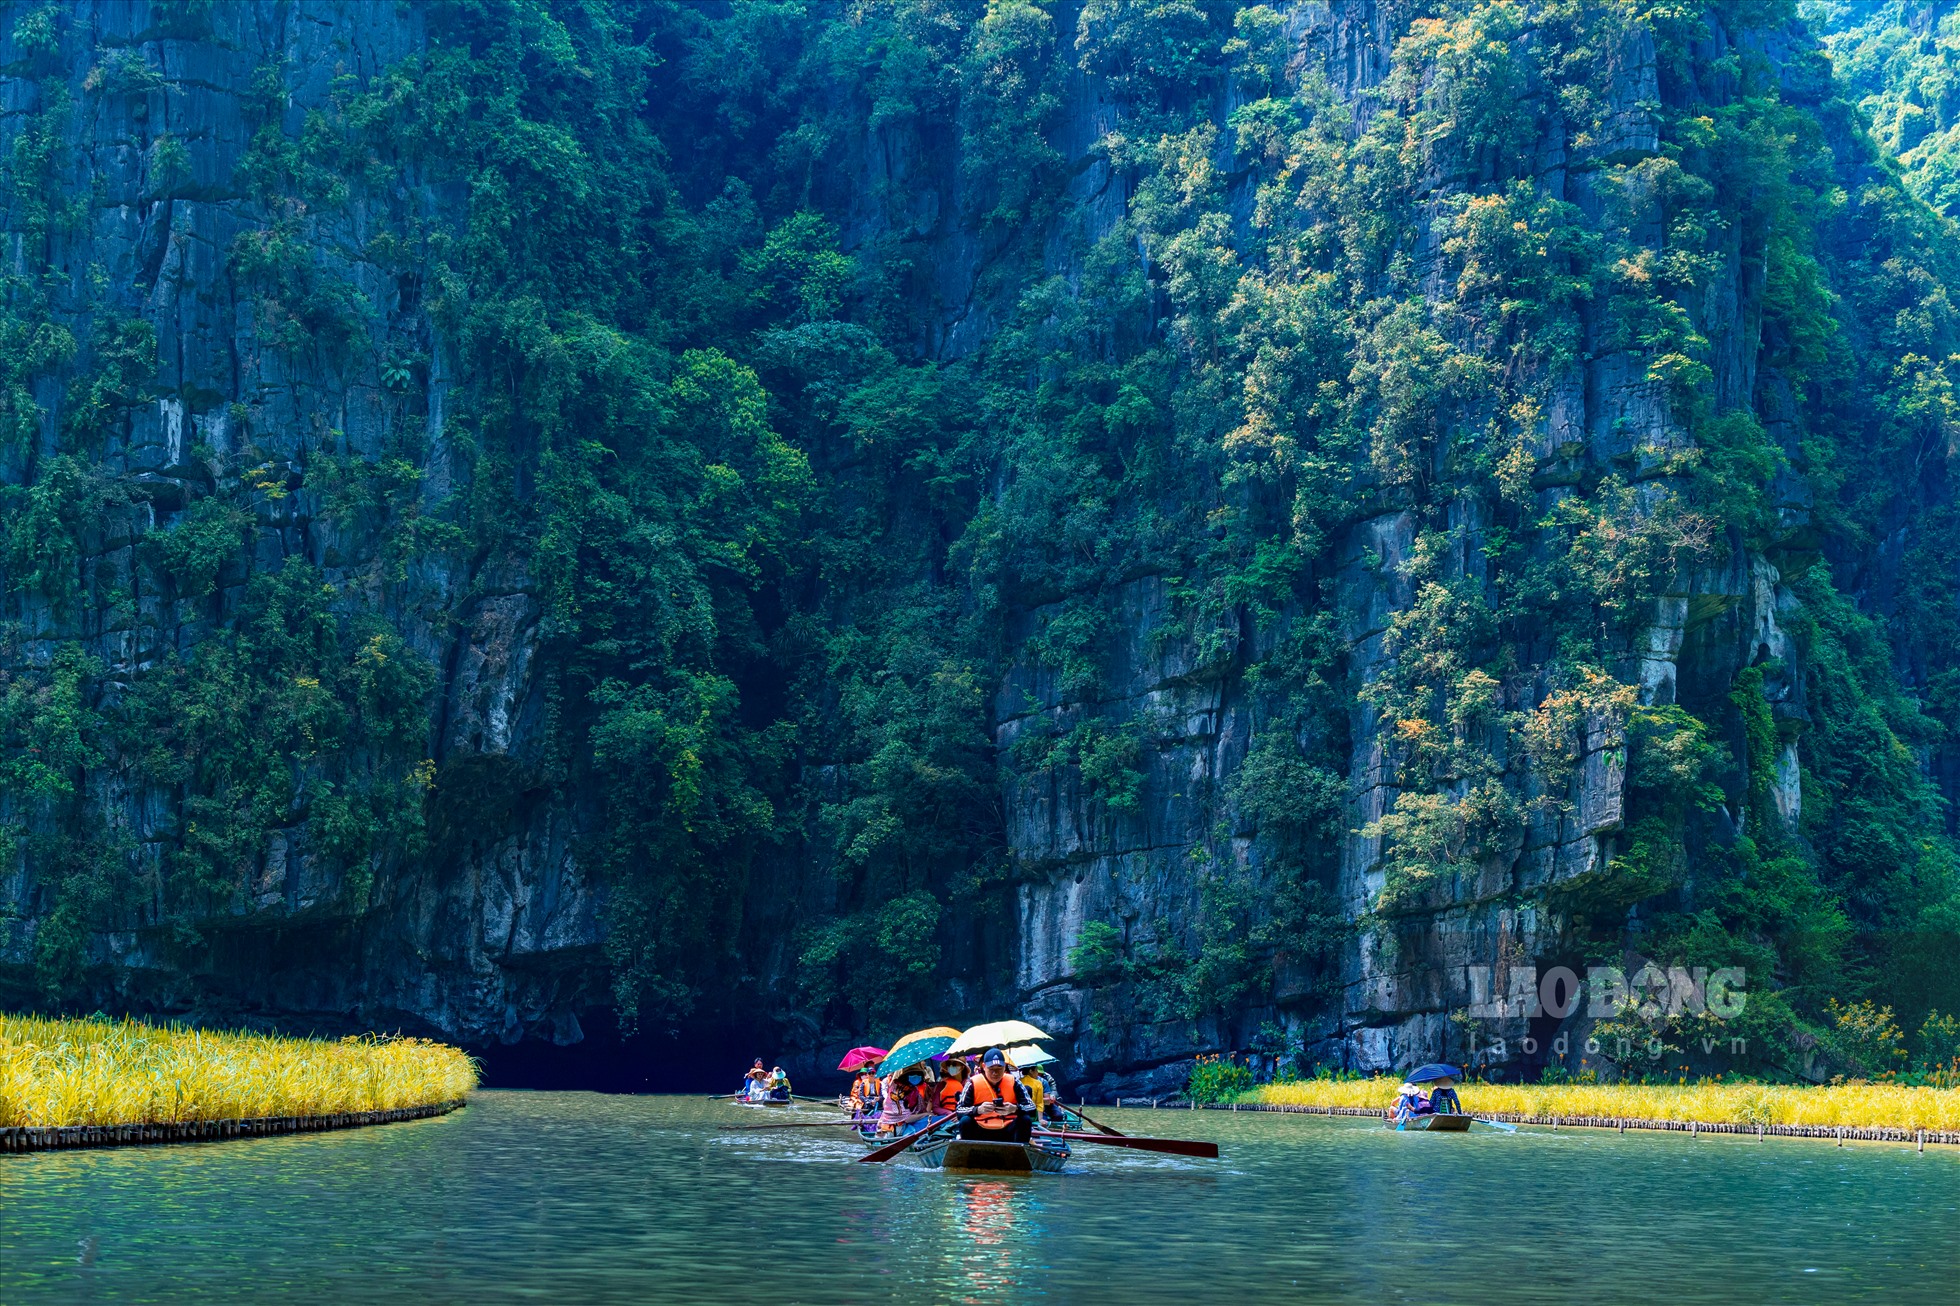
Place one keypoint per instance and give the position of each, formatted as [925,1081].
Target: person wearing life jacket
[1051,1096]
[1031,1080]
[952,1083]
[866,1096]
[995,1107]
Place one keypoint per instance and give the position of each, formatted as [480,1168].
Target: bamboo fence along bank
[1882,1112]
[97,1082]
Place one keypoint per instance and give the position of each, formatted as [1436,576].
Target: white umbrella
[998,1033]
[1024,1055]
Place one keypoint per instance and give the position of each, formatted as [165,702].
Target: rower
[995,1107]
[1051,1096]
[778,1085]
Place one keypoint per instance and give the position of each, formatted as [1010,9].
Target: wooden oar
[890,1150]
[1175,1146]
[1116,1133]
[1496,1124]
[801,1124]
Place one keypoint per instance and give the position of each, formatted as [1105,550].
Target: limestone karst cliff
[1214,526]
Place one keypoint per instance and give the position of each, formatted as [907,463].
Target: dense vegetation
[784,507]
[1901,62]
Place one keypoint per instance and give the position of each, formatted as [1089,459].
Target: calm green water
[575,1197]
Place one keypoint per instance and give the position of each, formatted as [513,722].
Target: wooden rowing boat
[1445,1124]
[996,1157]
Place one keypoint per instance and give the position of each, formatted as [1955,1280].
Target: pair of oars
[1174,1146]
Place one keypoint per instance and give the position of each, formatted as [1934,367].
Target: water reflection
[1000,1233]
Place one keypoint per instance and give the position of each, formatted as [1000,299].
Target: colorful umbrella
[920,1045]
[997,1034]
[859,1058]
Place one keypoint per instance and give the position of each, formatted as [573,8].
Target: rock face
[501,939]
[485,941]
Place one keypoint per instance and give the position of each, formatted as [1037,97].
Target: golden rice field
[116,1072]
[1863,1106]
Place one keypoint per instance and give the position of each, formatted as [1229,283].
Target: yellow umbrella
[997,1033]
[934,1031]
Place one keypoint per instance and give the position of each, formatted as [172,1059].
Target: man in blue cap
[994,1107]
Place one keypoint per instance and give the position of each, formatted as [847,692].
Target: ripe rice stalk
[1863,1106]
[99,1072]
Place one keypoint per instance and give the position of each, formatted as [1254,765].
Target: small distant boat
[996,1157]
[1445,1123]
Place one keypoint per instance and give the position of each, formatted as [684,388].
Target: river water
[579,1197]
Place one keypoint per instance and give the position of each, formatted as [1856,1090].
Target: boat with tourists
[1438,1110]
[948,1152]
[973,1100]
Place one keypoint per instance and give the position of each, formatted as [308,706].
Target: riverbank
[1787,1108]
[131,1078]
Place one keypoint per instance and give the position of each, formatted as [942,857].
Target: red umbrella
[858,1058]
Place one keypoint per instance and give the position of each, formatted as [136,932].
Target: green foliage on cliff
[1900,61]
[823,399]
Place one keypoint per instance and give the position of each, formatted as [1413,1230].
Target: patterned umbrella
[920,1045]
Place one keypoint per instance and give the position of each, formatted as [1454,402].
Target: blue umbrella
[922,1045]
[1433,1071]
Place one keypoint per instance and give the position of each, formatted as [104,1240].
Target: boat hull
[1439,1124]
[972,1154]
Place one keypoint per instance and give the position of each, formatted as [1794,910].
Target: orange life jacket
[949,1094]
[984,1092]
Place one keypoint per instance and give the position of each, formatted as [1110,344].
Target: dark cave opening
[702,1059]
